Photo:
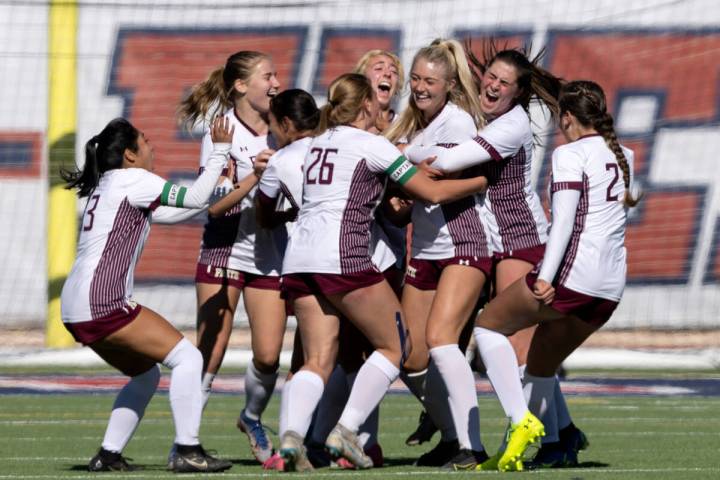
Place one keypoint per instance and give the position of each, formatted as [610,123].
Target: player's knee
[149,379]
[184,355]
[266,363]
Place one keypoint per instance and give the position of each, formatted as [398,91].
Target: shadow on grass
[400,461]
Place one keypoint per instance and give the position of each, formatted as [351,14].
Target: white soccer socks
[502,370]
[460,384]
[129,408]
[372,382]
[186,402]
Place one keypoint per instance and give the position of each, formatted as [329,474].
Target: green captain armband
[173,195]
[401,170]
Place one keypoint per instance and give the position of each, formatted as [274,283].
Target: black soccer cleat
[573,439]
[424,431]
[194,458]
[107,461]
[552,455]
[440,455]
[466,460]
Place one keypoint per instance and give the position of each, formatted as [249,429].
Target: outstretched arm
[460,157]
[418,184]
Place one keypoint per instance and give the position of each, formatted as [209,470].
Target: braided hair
[586,101]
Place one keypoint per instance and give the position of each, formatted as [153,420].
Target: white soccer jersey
[452,229]
[282,181]
[512,210]
[594,261]
[114,228]
[344,178]
[234,240]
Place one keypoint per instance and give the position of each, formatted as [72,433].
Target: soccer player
[508,82]
[293,118]
[577,286]
[328,271]
[450,259]
[237,257]
[123,198]
[388,243]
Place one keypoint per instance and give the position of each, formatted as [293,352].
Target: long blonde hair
[464,94]
[346,95]
[217,92]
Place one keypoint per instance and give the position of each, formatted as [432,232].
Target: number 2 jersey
[345,171]
[594,261]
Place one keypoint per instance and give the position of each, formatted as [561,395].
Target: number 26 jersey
[344,175]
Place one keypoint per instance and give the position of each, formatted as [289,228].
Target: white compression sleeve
[198,194]
[460,157]
[564,206]
[172,215]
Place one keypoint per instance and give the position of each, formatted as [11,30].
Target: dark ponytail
[103,152]
[586,101]
[298,106]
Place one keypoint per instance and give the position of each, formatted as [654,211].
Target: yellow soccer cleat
[521,436]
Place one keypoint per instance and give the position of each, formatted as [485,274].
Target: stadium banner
[657,61]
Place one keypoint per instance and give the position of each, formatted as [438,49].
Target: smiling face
[498,89]
[429,86]
[261,86]
[384,76]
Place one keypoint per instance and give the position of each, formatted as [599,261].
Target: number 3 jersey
[345,172]
[594,262]
[114,228]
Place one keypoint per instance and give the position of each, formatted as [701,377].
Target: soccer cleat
[443,452]
[376,455]
[374,452]
[343,443]
[107,461]
[171,456]
[573,439]
[466,460]
[489,465]
[260,444]
[194,459]
[424,431]
[293,453]
[520,437]
[318,456]
[275,462]
[552,455]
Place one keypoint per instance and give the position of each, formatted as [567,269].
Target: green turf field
[53,436]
